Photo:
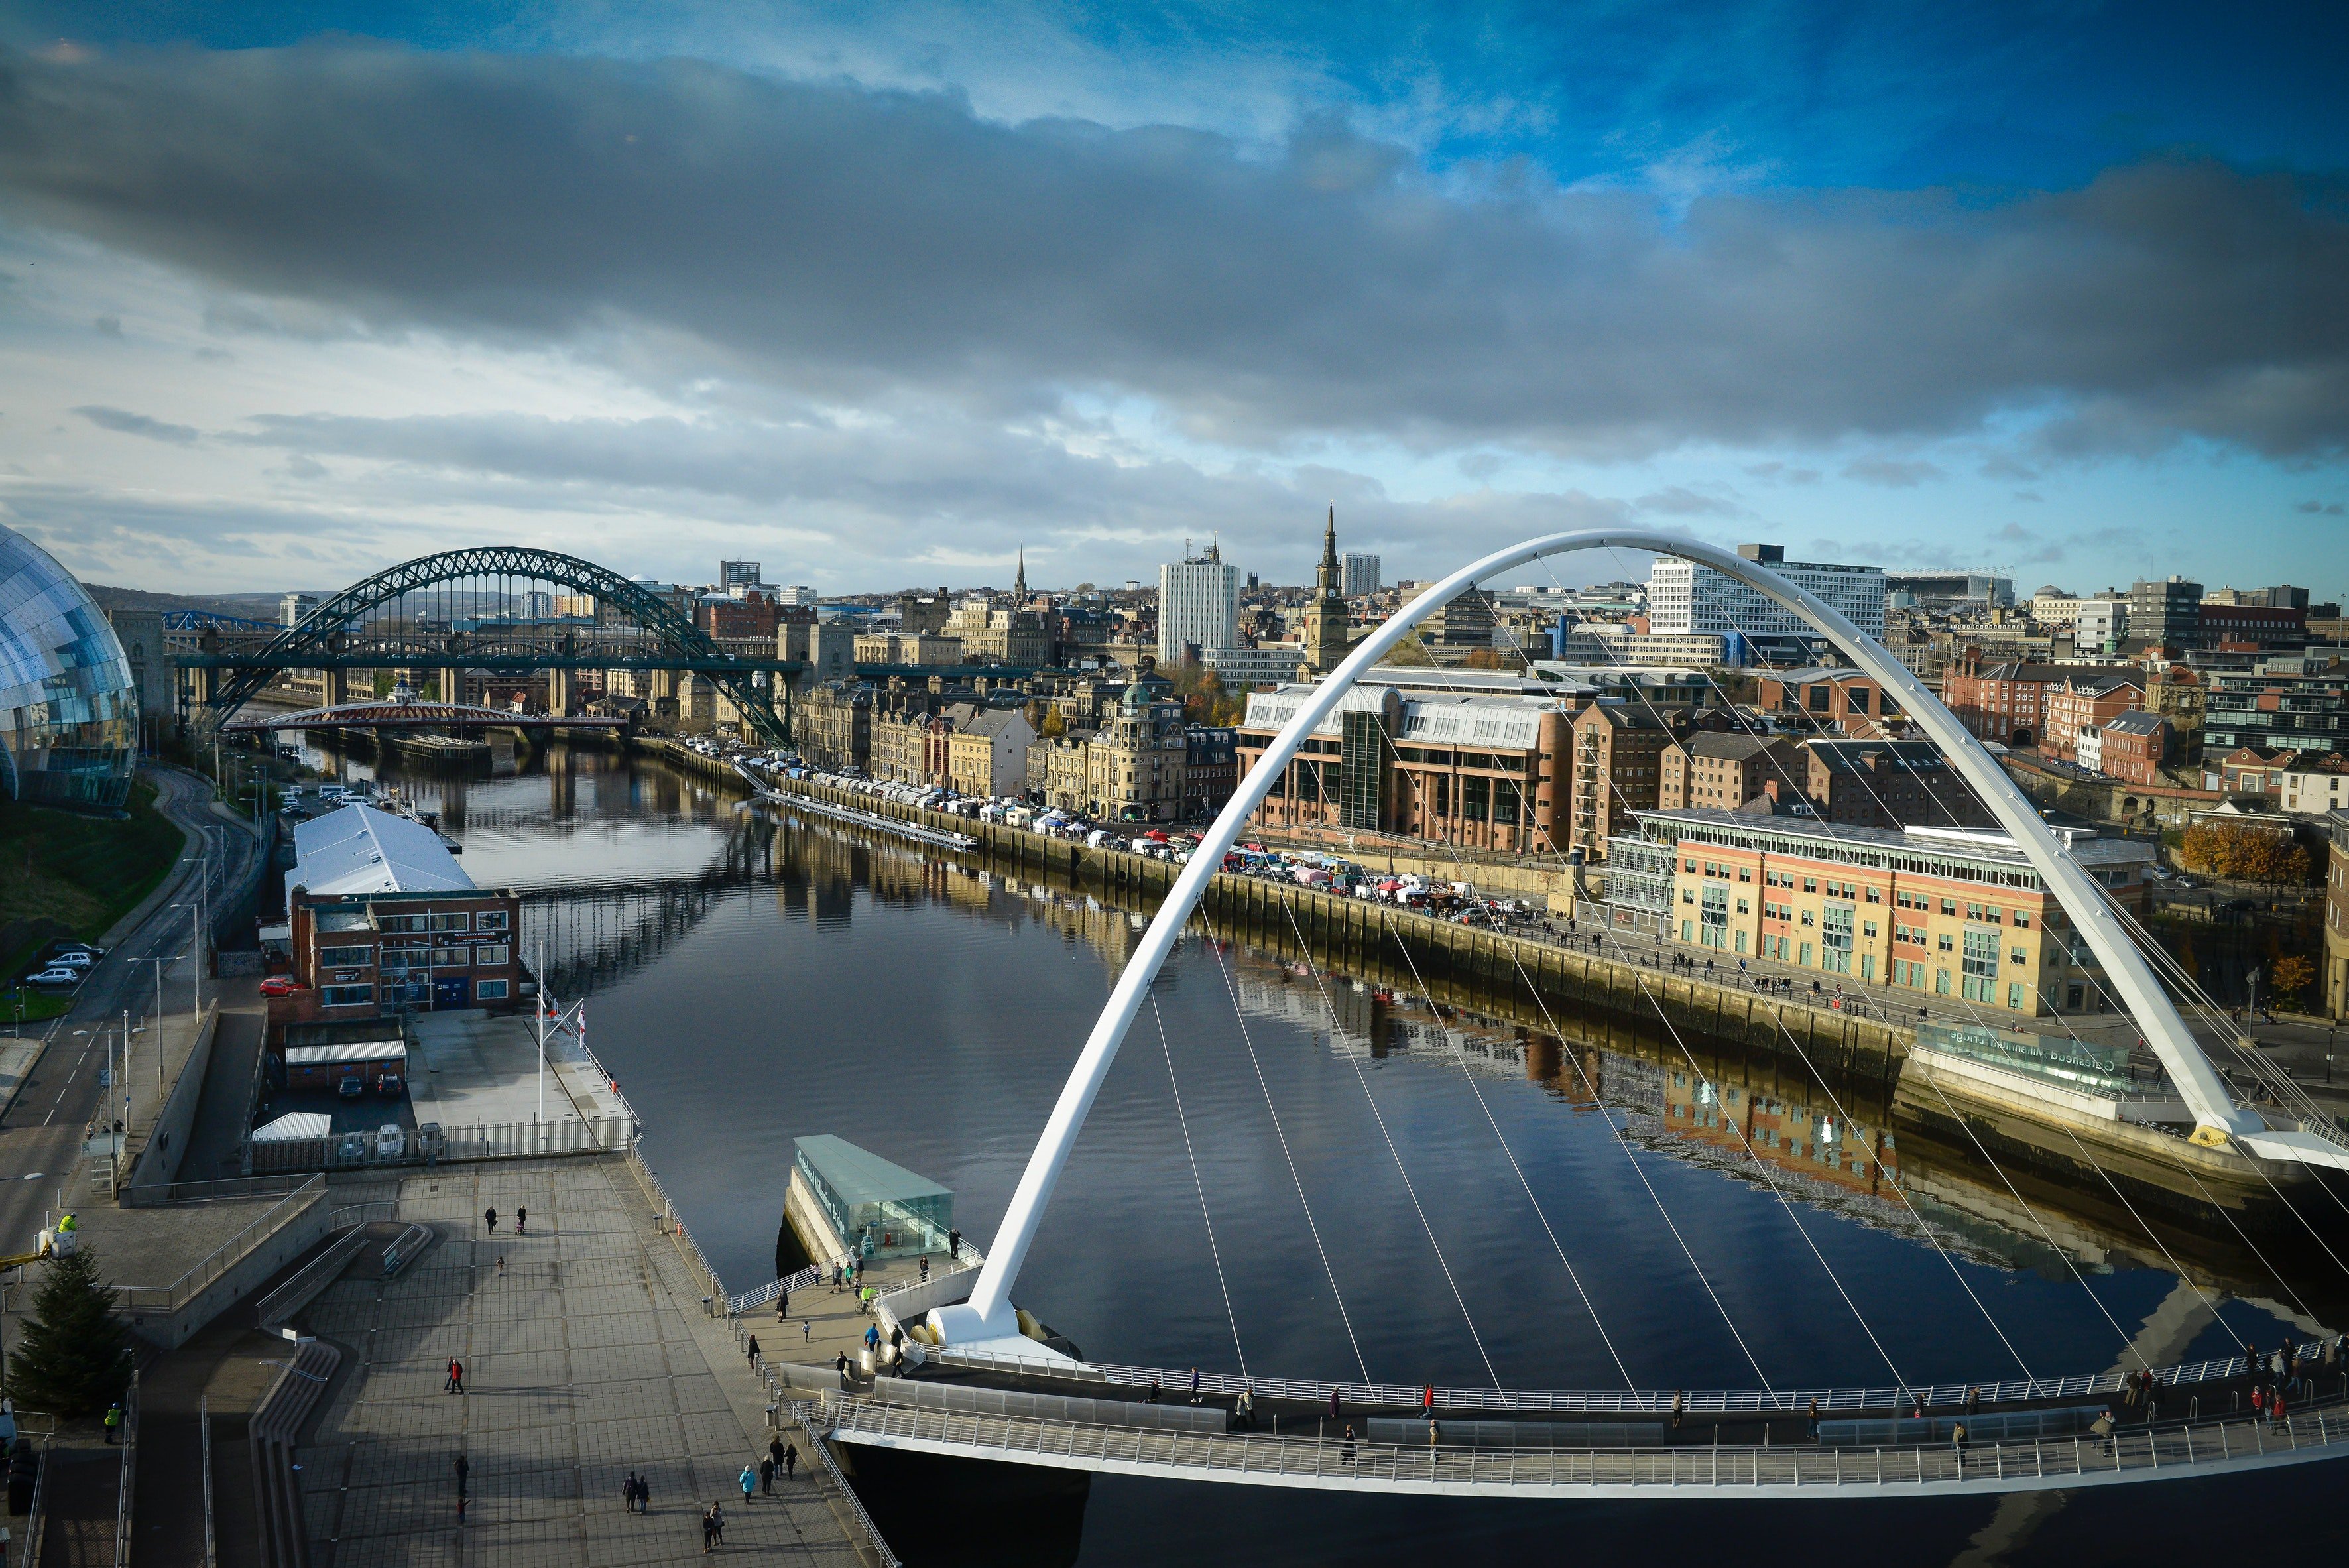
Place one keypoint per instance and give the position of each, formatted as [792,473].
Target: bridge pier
[337,686]
[452,686]
[560,686]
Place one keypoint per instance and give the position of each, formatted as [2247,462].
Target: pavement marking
[34,1177]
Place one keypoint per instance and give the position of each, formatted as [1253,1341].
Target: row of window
[394,958]
[479,920]
[396,992]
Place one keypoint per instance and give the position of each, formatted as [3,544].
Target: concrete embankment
[1478,967]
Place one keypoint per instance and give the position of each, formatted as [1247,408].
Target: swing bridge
[981,1381]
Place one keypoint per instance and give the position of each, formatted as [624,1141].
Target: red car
[280,986]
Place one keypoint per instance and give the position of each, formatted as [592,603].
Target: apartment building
[1723,771]
[1618,768]
[2082,702]
[1133,769]
[2296,703]
[2130,746]
[988,754]
[1947,914]
[2007,702]
[1892,784]
[834,723]
[1847,700]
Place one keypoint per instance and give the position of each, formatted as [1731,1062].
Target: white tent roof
[294,1126]
[360,850]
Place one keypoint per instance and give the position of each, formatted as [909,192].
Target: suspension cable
[1482,1104]
[1380,1117]
[1214,1252]
[1314,1229]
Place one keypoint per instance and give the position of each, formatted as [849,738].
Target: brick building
[2086,701]
[1725,771]
[1847,700]
[1890,784]
[2132,746]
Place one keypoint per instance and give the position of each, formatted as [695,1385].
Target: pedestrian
[954,1246]
[114,1423]
[767,1476]
[521,1222]
[751,1350]
[1333,1404]
[748,1482]
[1958,1437]
[1811,1421]
[842,1365]
[718,1515]
[926,1269]
[643,1494]
[464,1469]
[1152,1397]
[491,1216]
[1427,1401]
[835,1279]
[1974,1401]
[791,1461]
[807,1330]
[782,1305]
[1679,1408]
[709,1531]
[502,1265]
[1434,1435]
[2259,1403]
[1347,1453]
[456,1380]
[629,1493]
[872,1337]
[1195,1385]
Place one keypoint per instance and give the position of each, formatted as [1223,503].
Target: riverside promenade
[587,1353]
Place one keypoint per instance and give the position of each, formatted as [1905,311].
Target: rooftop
[360,850]
[860,1176]
[1986,846]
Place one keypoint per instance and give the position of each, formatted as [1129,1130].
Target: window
[1949,906]
[1687,933]
[1741,942]
[1980,965]
[2021,920]
[345,957]
[1942,981]
[1805,959]
[1876,895]
[2018,958]
[1868,965]
[452,923]
[1810,917]
[1742,907]
[1713,917]
[1810,885]
[402,923]
[489,920]
[2018,996]
[496,957]
[1745,873]
[1944,943]
[346,996]
[1905,973]
[490,990]
[1834,939]
[1867,928]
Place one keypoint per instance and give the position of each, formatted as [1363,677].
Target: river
[821,983]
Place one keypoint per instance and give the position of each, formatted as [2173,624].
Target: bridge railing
[1732,1401]
[2130,1454]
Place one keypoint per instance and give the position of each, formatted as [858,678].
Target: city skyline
[879,299]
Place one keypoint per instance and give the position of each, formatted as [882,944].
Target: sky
[881,296]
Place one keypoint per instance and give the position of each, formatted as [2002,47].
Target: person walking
[1427,1401]
[926,1269]
[1346,1452]
[521,1222]
[748,1482]
[717,1516]
[490,1216]
[1679,1408]
[782,1305]
[751,1350]
[709,1530]
[114,1423]
[464,1470]
[1195,1385]
[1152,1397]
[835,1279]
[1333,1404]
[807,1330]
[791,1461]
[767,1476]
[456,1381]
[644,1493]
[1811,1421]
[954,1246]
[629,1493]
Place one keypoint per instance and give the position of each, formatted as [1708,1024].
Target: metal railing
[180,1192]
[664,1215]
[2138,1455]
[204,1442]
[1732,1401]
[313,1277]
[806,1413]
[136,1298]
[483,1140]
[127,1486]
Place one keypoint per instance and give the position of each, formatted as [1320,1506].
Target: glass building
[69,705]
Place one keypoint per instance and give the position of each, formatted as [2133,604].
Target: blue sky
[287,292]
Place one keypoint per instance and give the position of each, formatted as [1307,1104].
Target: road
[41,1133]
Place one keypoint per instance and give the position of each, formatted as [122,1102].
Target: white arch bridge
[1013,1399]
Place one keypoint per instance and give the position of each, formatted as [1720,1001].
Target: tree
[1410,654]
[1490,659]
[2288,975]
[73,1356]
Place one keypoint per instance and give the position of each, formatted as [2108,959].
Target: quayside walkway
[2218,1446]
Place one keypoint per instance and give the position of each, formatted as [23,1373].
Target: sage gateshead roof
[68,704]
[1976,854]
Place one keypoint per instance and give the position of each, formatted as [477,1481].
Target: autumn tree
[2288,976]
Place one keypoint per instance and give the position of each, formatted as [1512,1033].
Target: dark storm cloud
[839,241]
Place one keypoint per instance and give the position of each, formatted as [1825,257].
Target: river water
[1368,1186]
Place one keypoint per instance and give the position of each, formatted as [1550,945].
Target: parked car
[70,960]
[81,947]
[351,1146]
[54,977]
[431,1141]
[280,986]
[389,1140]
[352,1086]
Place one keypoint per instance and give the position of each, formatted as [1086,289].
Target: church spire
[1019,584]
[1330,579]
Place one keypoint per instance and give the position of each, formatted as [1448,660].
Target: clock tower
[1325,623]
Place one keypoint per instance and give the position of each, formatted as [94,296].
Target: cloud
[1892,473]
[2316,508]
[693,222]
[1679,501]
[125,423]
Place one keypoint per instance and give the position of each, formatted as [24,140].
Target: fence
[430,1144]
[2141,1455]
[127,1487]
[1757,1402]
[802,1412]
[664,1215]
[169,1298]
[204,1441]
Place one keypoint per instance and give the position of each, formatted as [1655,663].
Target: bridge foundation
[561,685]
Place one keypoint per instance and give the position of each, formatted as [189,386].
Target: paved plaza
[586,1356]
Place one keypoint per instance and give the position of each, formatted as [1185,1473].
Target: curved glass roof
[68,707]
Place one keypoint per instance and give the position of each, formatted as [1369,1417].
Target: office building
[738,574]
[295,608]
[1362,575]
[1938,913]
[1685,598]
[1198,607]
[1951,590]
[2168,613]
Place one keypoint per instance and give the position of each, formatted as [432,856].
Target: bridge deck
[2217,1446]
